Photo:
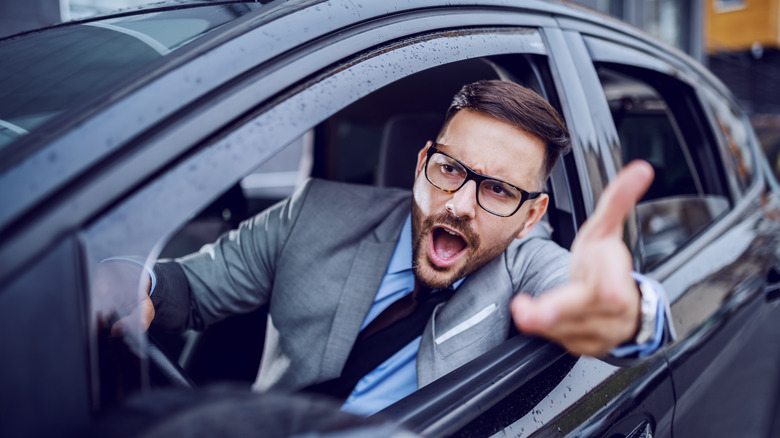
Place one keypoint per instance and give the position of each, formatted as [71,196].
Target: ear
[535,213]
[421,158]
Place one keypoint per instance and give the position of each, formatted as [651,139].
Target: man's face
[452,235]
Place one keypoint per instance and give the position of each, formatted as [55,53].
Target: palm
[598,309]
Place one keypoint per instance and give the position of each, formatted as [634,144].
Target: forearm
[233,275]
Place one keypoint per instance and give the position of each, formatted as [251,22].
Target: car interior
[374,140]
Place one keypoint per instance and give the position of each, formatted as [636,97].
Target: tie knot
[421,293]
[437,295]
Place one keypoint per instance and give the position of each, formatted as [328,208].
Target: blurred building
[678,22]
[743,49]
[739,40]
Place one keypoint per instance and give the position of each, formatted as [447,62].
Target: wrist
[648,310]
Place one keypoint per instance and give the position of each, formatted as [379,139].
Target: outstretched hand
[599,308]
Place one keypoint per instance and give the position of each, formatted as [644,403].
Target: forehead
[495,148]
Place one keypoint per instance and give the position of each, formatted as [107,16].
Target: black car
[153,131]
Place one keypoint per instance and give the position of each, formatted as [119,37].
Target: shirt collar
[402,257]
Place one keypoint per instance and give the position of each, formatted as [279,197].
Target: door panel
[706,235]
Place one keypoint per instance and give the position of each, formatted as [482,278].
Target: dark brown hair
[520,107]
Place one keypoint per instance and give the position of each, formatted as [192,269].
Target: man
[332,258]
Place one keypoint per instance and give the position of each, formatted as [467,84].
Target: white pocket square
[467,324]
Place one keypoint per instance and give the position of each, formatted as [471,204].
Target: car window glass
[734,138]
[679,203]
[56,69]
[281,174]
[270,182]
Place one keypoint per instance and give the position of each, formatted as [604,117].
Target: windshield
[46,73]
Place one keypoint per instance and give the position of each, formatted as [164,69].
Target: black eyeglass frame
[478,178]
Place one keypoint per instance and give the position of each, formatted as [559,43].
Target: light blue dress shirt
[396,378]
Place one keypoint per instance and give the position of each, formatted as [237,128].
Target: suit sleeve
[538,263]
[233,275]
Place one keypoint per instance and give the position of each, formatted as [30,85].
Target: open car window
[352,130]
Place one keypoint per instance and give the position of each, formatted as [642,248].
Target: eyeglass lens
[493,195]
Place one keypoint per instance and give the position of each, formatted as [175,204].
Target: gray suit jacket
[318,258]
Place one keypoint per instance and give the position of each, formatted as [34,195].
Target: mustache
[463,226]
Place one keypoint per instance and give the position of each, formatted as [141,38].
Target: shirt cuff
[652,345]
[139,262]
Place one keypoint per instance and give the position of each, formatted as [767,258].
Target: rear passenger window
[734,138]
[657,121]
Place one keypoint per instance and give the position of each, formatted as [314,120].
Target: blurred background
[739,40]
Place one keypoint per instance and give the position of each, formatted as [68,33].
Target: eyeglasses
[493,195]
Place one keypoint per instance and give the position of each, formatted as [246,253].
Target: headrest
[402,139]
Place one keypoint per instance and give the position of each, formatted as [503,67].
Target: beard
[432,276]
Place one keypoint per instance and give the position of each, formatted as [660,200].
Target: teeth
[454,234]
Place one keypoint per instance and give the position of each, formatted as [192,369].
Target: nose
[463,203]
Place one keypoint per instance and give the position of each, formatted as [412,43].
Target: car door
[705,231]
[323,89]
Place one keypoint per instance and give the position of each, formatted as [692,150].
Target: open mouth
[446,246]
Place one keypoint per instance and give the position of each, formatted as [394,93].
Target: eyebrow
[436,145]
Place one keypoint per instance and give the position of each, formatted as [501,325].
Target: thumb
[620,197]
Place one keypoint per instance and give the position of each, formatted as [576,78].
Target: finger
[140,318]
[588,346]
[593,335]
[572,304]
[609,330]
[122,327]
[620,197]
[536,315]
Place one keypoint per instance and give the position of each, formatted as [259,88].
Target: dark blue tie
[394,328]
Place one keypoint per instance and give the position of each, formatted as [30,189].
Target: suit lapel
[368,268]
[475,320]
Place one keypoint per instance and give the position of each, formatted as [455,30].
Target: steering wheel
[168,369]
